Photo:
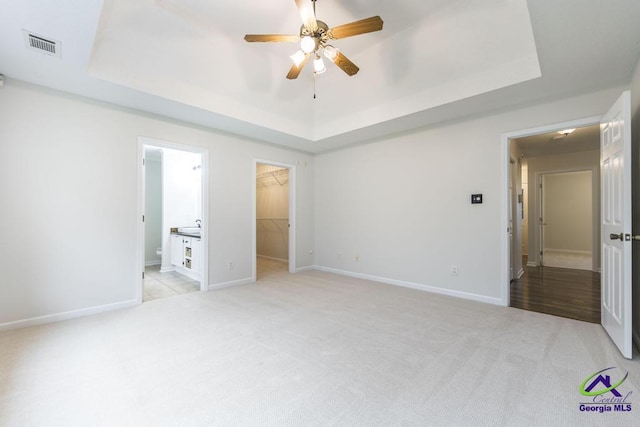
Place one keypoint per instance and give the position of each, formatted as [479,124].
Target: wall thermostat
[476,199]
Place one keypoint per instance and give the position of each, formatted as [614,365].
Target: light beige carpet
[308,349]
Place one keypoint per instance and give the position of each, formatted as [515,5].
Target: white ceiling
[552,143]
[434,60]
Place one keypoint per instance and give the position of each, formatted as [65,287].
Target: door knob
[613,236]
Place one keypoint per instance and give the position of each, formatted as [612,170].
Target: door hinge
[142,162]
[540,253]
[142,218]
[143,275]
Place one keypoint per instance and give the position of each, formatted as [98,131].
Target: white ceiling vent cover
[38,43]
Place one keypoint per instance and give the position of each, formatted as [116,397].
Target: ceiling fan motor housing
[321,33]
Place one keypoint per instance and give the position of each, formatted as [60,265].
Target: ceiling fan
[314,40]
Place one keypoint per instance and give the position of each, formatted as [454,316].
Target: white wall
[585,160]
[568,211]
[402,204]
[68,188]
[525,207]
[182,191]
[635,134]
[272,213]
[153,208]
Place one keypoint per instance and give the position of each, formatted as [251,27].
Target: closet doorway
[274,219]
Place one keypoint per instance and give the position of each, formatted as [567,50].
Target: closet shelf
[281,176]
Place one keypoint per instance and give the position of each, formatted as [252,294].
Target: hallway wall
[585,160]
[568,211]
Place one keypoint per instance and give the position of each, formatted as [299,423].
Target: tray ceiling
[434,60]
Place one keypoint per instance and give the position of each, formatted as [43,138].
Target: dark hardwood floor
[558,291]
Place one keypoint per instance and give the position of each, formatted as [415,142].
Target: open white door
[615,167]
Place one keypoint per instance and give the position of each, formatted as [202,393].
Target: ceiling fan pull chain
[314,83]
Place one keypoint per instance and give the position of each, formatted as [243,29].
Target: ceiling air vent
[42,44]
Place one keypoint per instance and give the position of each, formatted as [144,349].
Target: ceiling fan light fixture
[566,132]
[308,44]
[318,65]
[298,58]
[331,52]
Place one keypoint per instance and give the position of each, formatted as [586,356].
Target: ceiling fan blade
[295,70]
[363,26]
[346,65]
[279,38]
[308,15]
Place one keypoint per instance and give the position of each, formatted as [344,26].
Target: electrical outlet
[230,265]
[311,252]
[339,255]
[454,270]
[357,258]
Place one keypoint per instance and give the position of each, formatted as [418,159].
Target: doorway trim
[140,235]
[292,214]
[505,155]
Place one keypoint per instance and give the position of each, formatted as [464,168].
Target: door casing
[505,138]
[142,141]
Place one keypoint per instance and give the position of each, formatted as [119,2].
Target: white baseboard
[308,268]
[57,317]
[156,262]
[520,274]
[532,264]
[568,251]
[273,259]
[418,286]
[636,339]
[215,286]
[167,269]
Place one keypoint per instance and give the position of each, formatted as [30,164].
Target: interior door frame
[512,217]
[505,140]
[140,235]
[292,214]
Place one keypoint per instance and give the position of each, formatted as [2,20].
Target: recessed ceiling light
[566,132]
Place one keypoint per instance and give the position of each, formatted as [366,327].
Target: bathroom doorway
[172,234]
[274,219]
